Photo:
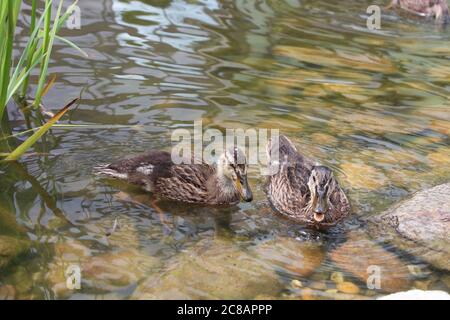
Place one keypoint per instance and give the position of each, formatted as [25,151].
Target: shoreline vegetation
[15,73]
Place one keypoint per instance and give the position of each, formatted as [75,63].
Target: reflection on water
[372,105]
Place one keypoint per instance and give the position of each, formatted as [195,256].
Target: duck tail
[281,146]
[281,153]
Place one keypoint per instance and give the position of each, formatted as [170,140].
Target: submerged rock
[419,226]
[117,270]
[110,271]
[296,283]
[347,287]
[299,258]
[329,294]
[66,253]
[337,277]
[10,248]
[212,270]
[362,257]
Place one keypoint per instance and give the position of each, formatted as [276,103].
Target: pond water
[373,105]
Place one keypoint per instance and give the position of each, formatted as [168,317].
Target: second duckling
[303,191]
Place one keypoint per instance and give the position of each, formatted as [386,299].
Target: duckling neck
[222,189]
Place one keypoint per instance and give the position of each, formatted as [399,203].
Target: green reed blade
[46,47]
[34,42]
[6,57]
[73,45]
[29,51]
[49,37]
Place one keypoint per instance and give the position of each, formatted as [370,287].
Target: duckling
[154,171]
[437,9]
[303,191]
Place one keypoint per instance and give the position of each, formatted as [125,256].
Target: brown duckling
[304,191]
[154,171]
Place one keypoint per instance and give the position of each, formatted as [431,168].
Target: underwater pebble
[438,285]
[314,91]
[296,283]
[416,270]
[331,291]
[211,269]
[318,285]
[7,292]
[370,293]
[358,254]
[300,258]
[422,285]
[441,126]
[440,157]
[347,287]
[446,280]
[307,294]
[337,277]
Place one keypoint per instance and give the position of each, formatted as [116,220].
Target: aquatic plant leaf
[49,38]
[73,45]
[49,85]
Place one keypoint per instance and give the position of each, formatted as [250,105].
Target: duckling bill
[222,184]
[303,191]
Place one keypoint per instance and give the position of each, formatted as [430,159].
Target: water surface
[373,105]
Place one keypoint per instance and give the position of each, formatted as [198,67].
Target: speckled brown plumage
[192,183]
[288,190]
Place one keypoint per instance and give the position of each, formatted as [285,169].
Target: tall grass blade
[30,53]
[73,45]
[49,37]
[8,11]
[21,74]
[49,85]
[15,85]
[47,48]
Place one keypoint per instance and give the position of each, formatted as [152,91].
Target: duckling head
[232,165]
[321,184]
